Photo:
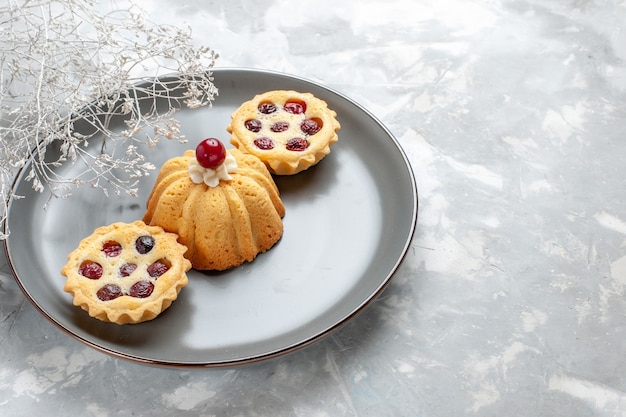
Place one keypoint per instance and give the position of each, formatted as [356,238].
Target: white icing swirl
[209,176]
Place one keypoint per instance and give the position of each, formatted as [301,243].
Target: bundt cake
[288,130]
[126,272]
[223,205]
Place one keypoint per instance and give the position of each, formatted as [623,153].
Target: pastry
[288,130]
[126,272]
[223,205]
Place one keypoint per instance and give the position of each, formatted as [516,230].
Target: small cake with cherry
[223,204]
[288,130]
[126,272]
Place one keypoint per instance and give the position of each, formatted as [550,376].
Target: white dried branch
[64,64]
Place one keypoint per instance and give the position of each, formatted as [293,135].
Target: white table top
[510,300]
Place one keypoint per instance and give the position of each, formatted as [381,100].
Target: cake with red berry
[223,205]
[288,130]
[126,272]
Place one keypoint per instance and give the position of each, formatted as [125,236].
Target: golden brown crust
[221,226]
[279,159]
[126,308]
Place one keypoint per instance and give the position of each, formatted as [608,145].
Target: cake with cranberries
[126,272]
[288,130]
[223,204]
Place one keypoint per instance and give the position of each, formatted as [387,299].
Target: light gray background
[511,300]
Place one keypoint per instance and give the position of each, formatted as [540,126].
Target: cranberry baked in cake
[288,130]
[126,272]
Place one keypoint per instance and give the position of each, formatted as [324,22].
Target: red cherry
[127,269]
[210,153]
[267,108]
[279,127]
[109,292]
[295,107]
[264,143]
[311,126]
[297,144]
[141,289]
[253,125]
[158,268]
[91,270]
[111,248]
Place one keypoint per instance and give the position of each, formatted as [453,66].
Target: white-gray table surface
[512,298]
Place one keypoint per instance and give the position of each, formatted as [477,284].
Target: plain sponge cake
[223,225]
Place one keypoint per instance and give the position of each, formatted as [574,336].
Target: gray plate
[349,222]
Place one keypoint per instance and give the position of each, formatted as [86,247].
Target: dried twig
[64,64]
